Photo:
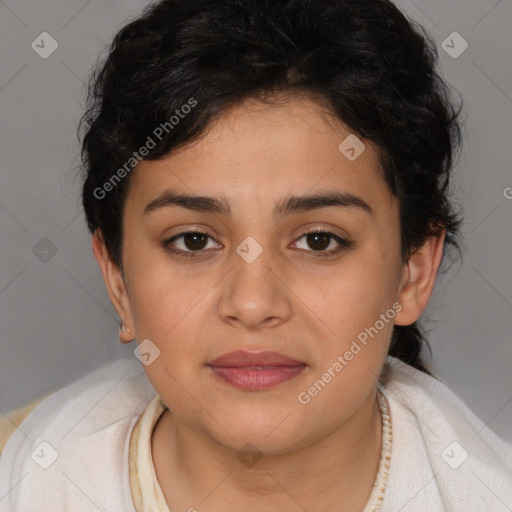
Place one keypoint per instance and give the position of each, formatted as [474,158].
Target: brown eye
[318,241]
[187,243]
[195,241]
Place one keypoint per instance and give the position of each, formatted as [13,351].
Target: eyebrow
[286,206]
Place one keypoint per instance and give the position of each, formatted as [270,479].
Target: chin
[264,436]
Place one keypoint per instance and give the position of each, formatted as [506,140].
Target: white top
[72,452]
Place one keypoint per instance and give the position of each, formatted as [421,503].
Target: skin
[289,299]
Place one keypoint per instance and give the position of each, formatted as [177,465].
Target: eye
[189,242]
[320,240]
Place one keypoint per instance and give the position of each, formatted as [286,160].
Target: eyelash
[344,244]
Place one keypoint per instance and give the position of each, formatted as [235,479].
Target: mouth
[255,371]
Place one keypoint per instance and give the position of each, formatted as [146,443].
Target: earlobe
[125,334]
[114,283]
[418,279]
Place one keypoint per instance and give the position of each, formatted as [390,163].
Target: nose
[255,294]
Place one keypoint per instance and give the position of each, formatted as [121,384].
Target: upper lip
[242,358]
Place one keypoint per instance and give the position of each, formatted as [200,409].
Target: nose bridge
[255,293]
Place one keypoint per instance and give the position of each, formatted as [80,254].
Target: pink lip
[255,370]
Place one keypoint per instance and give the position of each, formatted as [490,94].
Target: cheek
[170,309]
[353,310]
[359,317]
[169,313]
[160,295]
[349,298]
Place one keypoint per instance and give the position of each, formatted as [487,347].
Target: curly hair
[373,67]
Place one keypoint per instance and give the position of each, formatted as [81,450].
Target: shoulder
[72,447]
[440,447]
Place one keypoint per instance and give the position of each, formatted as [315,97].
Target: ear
[418,279]
[115,285]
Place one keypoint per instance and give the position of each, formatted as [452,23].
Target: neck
[334,473]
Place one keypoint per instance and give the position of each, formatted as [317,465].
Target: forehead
[260,152]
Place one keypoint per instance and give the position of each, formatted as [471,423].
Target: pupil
[196,237]
[313,240]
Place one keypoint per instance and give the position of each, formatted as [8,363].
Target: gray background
[56,320]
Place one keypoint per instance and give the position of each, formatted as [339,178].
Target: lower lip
[255,379]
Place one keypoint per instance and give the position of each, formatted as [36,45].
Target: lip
[243,358]
[255,371]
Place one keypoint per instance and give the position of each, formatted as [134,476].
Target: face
[253,279]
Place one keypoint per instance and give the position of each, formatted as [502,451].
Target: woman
[267,186]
